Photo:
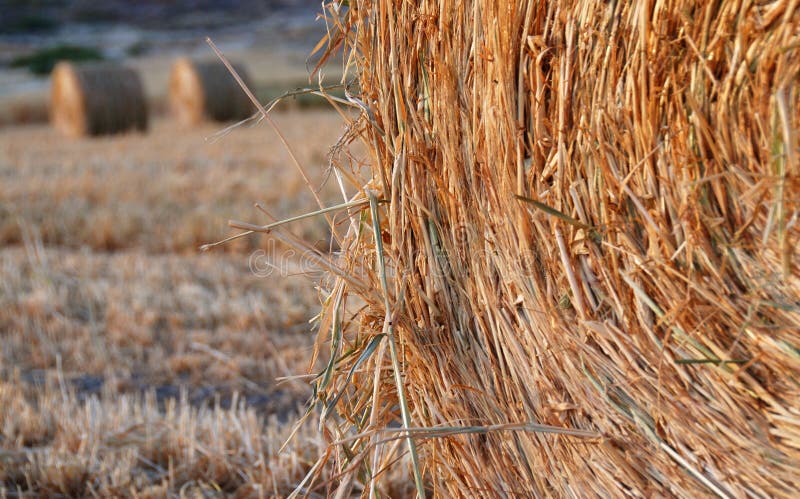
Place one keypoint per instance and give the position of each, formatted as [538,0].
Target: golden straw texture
[589,223]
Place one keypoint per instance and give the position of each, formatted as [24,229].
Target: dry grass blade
[266,229]
[265,115]
[203,90]
[389,328]
[445,431]
[554,212]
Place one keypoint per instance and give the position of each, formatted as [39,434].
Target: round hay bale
[96,99]
[206,90]
[583,278]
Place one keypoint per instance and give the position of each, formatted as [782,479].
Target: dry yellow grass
[56,445]
[582,278]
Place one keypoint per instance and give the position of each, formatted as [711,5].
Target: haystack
[96,99]
[206,90]
[583,277]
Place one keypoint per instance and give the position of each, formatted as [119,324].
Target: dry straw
[584,260]
[206,90]
[96,99]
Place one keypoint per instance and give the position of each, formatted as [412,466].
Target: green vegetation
[29,23]
[42,61]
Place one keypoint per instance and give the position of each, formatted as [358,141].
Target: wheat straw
[591,225]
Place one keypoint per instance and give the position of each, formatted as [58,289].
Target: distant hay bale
[588,227]
[96,99]
[206,90]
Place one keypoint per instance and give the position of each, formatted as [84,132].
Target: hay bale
[590,221]
[206,90]
[96,99]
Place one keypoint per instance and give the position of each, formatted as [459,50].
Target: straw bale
[206,90]
[588,226]
[96,99]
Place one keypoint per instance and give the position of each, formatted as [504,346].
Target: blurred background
[105,299]
[273,36]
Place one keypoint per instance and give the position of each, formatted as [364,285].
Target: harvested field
[169,361]
[55,445]
[129,361]
[213,326]
[168,191]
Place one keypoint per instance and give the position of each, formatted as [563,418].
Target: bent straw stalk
[205,90]
[389,327]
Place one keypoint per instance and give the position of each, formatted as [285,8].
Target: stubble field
[132,363]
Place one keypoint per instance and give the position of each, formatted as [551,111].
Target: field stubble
[168,191]
[130,363]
